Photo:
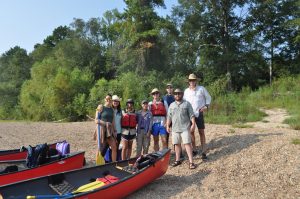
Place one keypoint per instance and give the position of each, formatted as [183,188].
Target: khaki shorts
[181,137]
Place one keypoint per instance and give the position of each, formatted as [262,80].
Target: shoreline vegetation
[246,106]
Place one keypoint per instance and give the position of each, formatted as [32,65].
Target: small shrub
[296,141]
[231,131]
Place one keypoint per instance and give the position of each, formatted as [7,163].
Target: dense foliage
[231,45]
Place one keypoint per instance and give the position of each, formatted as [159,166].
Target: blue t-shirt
[169,99]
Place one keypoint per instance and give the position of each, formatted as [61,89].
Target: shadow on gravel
[170,186]
[228,145]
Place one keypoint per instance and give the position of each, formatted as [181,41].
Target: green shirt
[107,114]
[180,114]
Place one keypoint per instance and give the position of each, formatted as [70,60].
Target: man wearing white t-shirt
[200,99]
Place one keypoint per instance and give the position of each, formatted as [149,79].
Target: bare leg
[202,140]
[189,151]
[129,150]
[113,144]
[164,142]
[156,144]
[124,149]
[177,151]
[193,140]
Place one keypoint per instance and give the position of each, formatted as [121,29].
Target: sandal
[176,163]
[192,166]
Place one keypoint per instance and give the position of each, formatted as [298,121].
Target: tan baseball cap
[178,90]
[155,90]
[169,85]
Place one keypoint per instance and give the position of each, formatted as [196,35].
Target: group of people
[176,114]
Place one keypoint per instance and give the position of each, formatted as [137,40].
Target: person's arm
[207,100]
[192,116]
[207,97]
[150,124]
[113,126]
[193,126]
[169,120]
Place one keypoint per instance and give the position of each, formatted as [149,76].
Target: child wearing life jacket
[158,109]
[144,118]
[129,122]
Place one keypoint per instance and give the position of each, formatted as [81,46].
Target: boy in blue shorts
[158,109]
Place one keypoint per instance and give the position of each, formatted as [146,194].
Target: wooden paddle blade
[99,159]
[89,187]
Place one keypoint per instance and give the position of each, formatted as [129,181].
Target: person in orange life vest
[129,122]
[105,117]
[158,109]
[144,118]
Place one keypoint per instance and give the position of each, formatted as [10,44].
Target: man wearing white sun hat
[200,100]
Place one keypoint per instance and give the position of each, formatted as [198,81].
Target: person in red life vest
[129,122]
[158,108]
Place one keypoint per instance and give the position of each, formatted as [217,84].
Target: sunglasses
[156,93]
[177,93]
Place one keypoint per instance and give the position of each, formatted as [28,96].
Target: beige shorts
[181,137]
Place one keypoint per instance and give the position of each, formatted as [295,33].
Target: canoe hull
[128,181]
[133,184]
[66,164]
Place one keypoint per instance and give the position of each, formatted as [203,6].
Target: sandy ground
[257,162]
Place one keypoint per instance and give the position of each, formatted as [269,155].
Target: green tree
[140,46]
[15,67]
[270,21]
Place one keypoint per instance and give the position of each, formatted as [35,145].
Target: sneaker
[204,157]
[195,153]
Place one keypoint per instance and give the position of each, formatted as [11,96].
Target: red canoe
[16,154]
[68,162]
[114,180]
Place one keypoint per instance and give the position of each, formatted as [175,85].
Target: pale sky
[25,23]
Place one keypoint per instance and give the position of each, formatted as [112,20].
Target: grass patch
[296,141]
[294,122]
[241,125]
[235,108]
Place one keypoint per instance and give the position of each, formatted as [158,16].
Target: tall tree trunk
[225,8]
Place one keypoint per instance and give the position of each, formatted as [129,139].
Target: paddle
[99,158]
[49,196]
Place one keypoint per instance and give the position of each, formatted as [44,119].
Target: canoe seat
[63,188]
[59,184]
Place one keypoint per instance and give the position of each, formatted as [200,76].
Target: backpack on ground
[63,147]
